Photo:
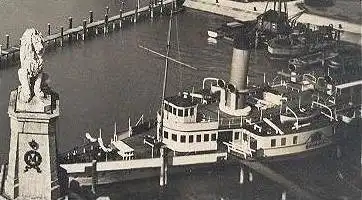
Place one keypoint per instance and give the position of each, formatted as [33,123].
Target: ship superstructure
[295,113]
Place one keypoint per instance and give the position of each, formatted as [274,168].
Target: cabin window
[183,138]
[295,139]
[213,137]
[237,135]
[198,138]
[174,110]
[273,143]
[165,134]
[245,137]
[186,112]
[191,138]
[174,137]
[191,111]
[206,137]
[283,141]
[180,112]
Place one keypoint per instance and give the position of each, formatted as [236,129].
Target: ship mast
[159,136]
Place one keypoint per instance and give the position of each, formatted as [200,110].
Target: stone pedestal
[32,170]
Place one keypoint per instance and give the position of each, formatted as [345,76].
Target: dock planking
[81,32]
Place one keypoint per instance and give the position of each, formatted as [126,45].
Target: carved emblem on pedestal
[33,158]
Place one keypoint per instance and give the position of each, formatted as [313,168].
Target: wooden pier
[90,27]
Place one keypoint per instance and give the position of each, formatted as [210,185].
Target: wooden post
[61,36]
[151,9]
[250,176]
[70,19]
[2,179]
[48,28]
[135,15]
[1,50]
[105,29]
[94,176]
[90,16]
[161,7]
[163,172]
[84,29]
[284,195]
[120,18]
[107,10]
[241,179]
[7,41]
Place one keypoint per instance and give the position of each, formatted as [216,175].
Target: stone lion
[31,69]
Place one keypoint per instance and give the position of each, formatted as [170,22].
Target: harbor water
[110,78]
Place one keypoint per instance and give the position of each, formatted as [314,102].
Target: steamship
[295,114]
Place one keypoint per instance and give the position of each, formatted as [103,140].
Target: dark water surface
[109,78]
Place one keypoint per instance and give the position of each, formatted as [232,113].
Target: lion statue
[31,69]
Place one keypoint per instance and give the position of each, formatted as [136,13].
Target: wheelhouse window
[186,112]
[174,110]
[183,138]
[295,139]
[273,143]
[198,138]
[213,137]
[283,141]
[237,135]
[245,137]
[191,138]
[206,138]
[165,134]
[174,137]
[191,111]
[180,112]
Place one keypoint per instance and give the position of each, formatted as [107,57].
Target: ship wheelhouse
[182,129]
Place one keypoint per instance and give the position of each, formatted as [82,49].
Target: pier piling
[120,18]
[70,19]
[105,28]
[151,9]
[61,36]
[7,41]
[241,179]
[84,35]
[161,7]
[284,195]
[90,16]
[163,172]
[94,176]
[48,28]
[250,176]
[107,10]
[135,15]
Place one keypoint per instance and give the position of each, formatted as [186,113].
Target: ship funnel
[240,64]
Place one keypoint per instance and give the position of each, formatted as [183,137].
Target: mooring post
[241,179]
[7,41]
[48,28]
[161,7]
[151,9]
[135,15]
[163,172]
[105,29]
[94,176]
[107,10]
[61,35]
[1,50]
[120,18]
[284,195]
[84,29]
[250,176]
[90,16]
[70,19]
